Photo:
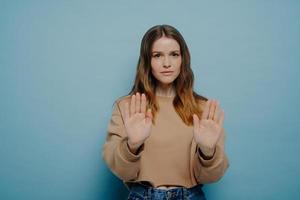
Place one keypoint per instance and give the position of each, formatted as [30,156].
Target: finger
[217,112]
[221,120]
[132,105]
[212,109]
[138,103]
[126,111]
[206,109]
[143,104]
[149,116]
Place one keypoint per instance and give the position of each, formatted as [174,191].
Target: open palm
[207,131]
[137,121]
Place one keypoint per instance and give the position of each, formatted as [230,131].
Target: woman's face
[165,60]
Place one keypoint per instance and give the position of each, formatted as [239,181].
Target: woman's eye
[156,55]
[175,54]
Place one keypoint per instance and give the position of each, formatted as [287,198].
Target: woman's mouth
[167,73]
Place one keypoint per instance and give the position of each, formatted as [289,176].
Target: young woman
[164,140]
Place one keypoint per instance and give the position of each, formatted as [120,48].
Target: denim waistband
[145,190]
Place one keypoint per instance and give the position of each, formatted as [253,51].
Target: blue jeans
[142,192]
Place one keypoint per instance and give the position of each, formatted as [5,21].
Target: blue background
[63,63]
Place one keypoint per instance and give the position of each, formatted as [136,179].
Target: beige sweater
[168,157]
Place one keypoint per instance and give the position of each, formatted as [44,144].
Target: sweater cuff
[206,162]
[127,154]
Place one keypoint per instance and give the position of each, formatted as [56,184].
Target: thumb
[149,115]
[196,120]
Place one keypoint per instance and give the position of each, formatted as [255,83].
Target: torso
[166,187]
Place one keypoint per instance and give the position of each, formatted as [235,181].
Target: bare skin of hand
[207,131]
[137,121]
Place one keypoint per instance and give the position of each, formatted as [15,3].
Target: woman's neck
[165,91]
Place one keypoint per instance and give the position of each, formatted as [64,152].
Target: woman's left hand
[207,131]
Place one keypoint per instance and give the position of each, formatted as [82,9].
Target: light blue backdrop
[63,63]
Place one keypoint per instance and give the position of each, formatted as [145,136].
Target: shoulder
[200,99]
[120,101]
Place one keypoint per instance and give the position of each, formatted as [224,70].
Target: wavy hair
[186,100]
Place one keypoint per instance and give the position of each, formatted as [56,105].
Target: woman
[164,140]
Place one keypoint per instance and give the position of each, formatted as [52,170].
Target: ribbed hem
[127,154]
[209,162]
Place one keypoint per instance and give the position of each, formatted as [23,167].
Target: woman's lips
[166,73]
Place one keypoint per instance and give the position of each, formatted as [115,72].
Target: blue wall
[63,63]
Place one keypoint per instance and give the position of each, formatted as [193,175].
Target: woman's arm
[208,171]
[116,153]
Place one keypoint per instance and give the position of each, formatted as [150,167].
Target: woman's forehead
[165,44]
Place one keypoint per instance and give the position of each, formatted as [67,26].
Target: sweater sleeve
[208,171]
[121,161]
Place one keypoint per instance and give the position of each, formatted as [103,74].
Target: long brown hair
[186,101]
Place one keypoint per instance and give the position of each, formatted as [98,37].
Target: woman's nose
[166,63]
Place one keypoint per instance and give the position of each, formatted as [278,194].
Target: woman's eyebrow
[162,52]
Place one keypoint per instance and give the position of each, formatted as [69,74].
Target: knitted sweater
[169,156]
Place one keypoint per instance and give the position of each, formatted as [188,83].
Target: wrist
[207,153]
[133,148]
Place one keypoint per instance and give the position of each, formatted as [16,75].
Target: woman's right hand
[137,121]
